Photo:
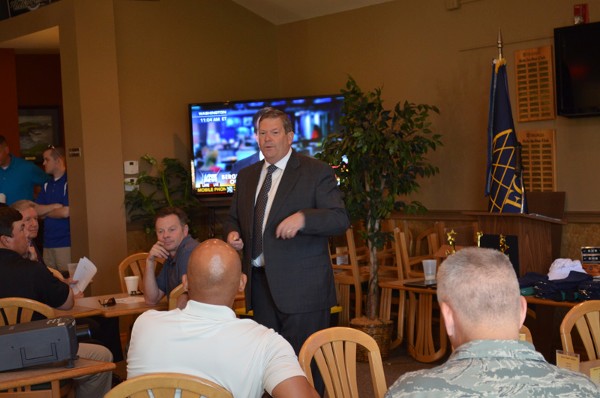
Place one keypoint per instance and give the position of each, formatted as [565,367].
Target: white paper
[83,275]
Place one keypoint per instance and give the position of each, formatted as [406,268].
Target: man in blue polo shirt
[53,207]
[18,177]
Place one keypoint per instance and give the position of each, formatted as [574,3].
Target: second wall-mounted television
[577,64]
[222,134]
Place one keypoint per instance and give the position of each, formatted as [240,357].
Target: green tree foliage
[379,156]
[167,183]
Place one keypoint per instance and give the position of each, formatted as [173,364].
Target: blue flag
[504,182]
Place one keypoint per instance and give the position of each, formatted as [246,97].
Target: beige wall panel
[172,53]
[418,50]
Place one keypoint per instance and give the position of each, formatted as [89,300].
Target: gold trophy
[479,235]
[502,244]
[450,237]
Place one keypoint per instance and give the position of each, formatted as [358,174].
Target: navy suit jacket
[240,164]
[298,270]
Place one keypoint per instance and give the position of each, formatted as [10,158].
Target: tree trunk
[373,291]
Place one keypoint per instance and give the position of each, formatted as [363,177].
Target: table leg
[423,347]
[385,312]
[55,386]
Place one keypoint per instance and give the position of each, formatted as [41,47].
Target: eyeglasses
[108,302]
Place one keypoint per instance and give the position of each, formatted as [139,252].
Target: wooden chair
[426,243]
[14,310]
[174,296]
[586,317]
[525,334]
[348,273]
[412,267]
[389,266]
[134,264]
[334,351]
[166,385]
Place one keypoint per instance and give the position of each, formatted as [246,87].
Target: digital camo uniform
[494,368]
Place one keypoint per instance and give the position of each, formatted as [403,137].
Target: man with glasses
[18,177]
[30,279]
[53,208]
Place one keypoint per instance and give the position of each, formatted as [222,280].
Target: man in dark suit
[243,163]
[290,280]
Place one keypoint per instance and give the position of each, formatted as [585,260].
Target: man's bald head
[214,273]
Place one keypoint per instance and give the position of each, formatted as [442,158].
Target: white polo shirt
[209,341]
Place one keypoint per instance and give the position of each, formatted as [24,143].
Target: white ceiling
[281,12]
[277,12]
[45,41]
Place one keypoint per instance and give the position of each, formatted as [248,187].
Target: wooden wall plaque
[535,84]
[539,159]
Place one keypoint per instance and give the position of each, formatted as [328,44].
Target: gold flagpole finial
[499,44]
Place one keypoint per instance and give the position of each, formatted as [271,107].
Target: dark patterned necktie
[259,212]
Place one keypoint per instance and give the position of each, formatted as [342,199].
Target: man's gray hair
[23,205]
[481,286]
[273,113]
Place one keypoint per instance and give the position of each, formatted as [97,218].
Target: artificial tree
[166,183]
[379,155]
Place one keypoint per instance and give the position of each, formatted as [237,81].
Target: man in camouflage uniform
[483,311]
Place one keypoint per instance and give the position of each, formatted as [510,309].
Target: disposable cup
[132,283]
[429,267]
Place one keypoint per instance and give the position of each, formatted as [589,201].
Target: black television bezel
[216,105]
[564,107]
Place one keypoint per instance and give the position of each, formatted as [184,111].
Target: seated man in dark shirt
[30,279]
[103,330]
[174,245]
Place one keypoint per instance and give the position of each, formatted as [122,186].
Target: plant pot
[379,330]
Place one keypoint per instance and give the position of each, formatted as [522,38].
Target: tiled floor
[398,363]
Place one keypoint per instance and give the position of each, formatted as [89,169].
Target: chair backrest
[586,317]
[345,264]
[427,242]
[389,267]
[174,295]
[527,333]
[334,351]
[410,266]
[166,384]
[386,258]
[134,264]
[15,310]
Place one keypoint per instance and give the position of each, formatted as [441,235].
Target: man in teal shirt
[18,177]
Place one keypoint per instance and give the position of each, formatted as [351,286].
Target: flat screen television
[222,134]
[577,64]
